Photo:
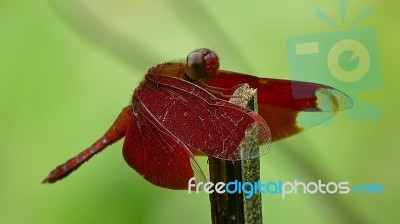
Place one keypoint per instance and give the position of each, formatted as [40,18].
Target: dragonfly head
[202,64]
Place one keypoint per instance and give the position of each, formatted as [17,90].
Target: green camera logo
[344,59]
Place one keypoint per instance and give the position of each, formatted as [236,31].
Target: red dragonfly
[181,110]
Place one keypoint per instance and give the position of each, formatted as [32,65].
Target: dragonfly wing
[289,107]
[157,155]
[202,121]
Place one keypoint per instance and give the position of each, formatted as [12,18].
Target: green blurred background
[67,68]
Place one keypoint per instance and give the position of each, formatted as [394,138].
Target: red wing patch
[157,155]
[202,121]
[289,107]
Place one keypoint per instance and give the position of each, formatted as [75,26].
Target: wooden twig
[236,208]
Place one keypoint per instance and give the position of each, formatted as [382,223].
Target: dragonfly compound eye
[195,60]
